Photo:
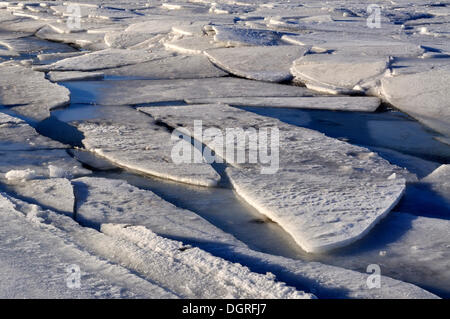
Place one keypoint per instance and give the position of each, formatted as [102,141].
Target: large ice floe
[423,95]
[102,197]
[132,140]
[28,93]
[324,200]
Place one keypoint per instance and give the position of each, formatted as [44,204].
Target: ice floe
[335,103]
[28,93]
[133,140]
[103,201]
[142,92]
[424,96]
[104,59]
[36,257]
[16,134]
[353,187]
[176,67]
[56,76]
[40,162]
[271,63]
[339,73]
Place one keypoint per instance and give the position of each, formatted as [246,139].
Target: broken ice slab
[419,244]
[38,164]
[137,92]
[203,275]
[27,233]
[133,140]
[115,201]
[424,96]
[16,134]
[235,36]
[334,103]
[83,40]
[325,193]
[56,76]
[53,193]
[192,45]
[104,59]
[339,73]
[33,45]
[263,63]
[28,93]
[176,67]
[48,58]
[389,129]
[124,40]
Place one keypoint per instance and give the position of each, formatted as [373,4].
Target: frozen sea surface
[75,104]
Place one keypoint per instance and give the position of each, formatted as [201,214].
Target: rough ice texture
[339,73]
[271,63]
[32,44]
[132,140]
[326,193]
[54,193]
[16,134]
[28,92]
[204,276]
[37,249]
[424,96]
[115,201]
[338,103]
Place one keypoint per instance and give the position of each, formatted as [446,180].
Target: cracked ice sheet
[271,63]
[339,73]
[16,134]
[34,255]
[153,91]
[102,201]
[104,59]
[177,67]
[335,103]
[326,193]
[424,96]
[131,139]
[28,93]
